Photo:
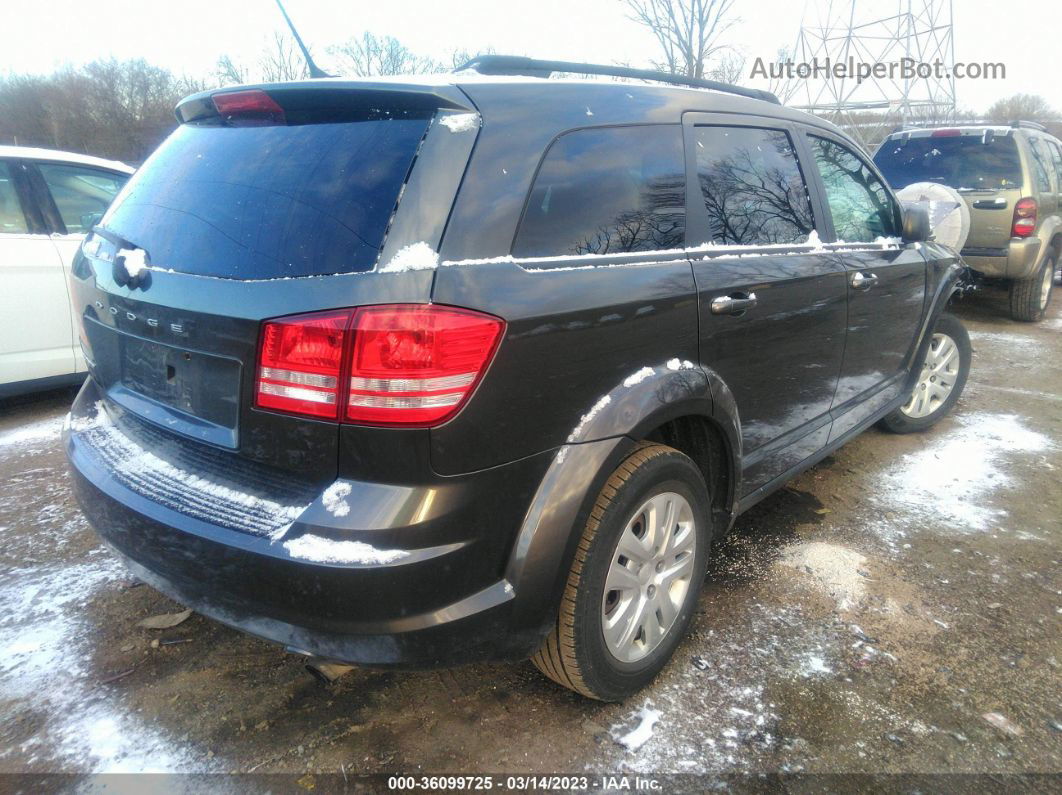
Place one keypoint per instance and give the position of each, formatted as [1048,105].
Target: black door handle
[733,304]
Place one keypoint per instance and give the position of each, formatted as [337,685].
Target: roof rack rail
[533,67]
[1031,125]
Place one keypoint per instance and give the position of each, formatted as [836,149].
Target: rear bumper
[1017,261]
[395,606]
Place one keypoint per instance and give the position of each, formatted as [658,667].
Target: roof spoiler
[533,67]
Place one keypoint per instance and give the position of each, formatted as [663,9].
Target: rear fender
[607,432]
[1049,229]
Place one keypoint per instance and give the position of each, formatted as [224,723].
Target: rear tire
[633,597]
[922,410]
[1029,298]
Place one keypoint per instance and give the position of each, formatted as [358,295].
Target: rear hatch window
[963,162]
[271,201]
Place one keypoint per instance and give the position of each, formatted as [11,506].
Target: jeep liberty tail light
[1024,218]
[408,365]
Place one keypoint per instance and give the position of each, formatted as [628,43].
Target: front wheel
[636,576]
[941,381]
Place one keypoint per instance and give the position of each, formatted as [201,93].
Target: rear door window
[752,186]
[963,162]
[82,195]
[267,202]
[12,219]
[859,202]
[607,190]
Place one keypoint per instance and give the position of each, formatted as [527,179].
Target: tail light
[398,364]
[300,364]
[1024,218]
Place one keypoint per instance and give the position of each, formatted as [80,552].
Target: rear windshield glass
[266,202]
[964,161]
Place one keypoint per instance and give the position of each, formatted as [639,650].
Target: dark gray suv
[418,373]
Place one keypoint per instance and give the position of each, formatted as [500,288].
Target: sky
[187,37]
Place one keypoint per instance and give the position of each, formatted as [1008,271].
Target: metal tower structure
[860,34]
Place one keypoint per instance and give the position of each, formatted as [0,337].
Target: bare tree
[689,32]
[281,60]
[228,72]
[118,109]
[728,68]
[1027,107]
[278,61]
[460,57]
[371,55]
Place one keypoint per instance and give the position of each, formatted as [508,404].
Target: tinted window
[12,219]
[82,195]
[1041,164]
[860,205]
[973,162]
[752,186]
[1056,158]
[607,190]
[271,201]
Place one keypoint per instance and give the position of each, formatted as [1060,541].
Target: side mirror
[89,220]
[916,228]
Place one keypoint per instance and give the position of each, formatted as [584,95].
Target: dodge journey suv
[419,373]
[1011,179]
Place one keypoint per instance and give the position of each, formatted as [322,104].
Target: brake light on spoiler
[412,365]
[252,105]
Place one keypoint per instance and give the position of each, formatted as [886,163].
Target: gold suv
[1011,179]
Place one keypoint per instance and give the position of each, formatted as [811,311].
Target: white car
[48,201]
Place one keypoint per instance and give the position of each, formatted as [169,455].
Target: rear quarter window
[266,202]
[607,190]
[1041,164]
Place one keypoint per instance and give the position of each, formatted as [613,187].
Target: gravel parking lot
[895,609]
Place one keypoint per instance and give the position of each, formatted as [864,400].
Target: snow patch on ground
[950,482]
[46,430]
[414,257]
[334,498]
[635,738]
[715,692]
[460,122]
[813,665]
[1009,341]
[45,657]
[834,568]
[327,550]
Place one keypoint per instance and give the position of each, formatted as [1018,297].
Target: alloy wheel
[939,373]
[650,576]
